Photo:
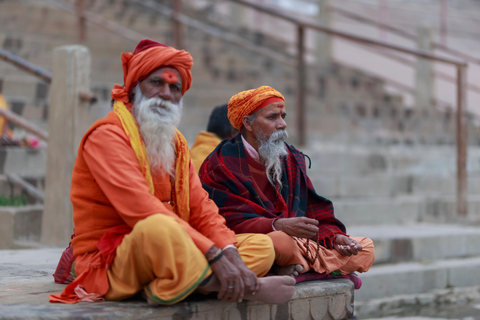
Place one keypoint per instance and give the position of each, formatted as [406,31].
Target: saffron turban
[148,57]
[250,101]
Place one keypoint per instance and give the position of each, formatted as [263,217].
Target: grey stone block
[23,161]
[20,224]
[29,272]
[419,277]
[379,211]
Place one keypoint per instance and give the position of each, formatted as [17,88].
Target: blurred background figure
[218,129]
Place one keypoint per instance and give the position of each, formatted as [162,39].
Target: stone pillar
[323,40]
[424,71]
[237,15]
[68,120]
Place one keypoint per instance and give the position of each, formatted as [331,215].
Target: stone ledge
[26,281]
[411,305]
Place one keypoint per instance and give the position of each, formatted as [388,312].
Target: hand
[346,246]
[231,282]
[301,227]
[248,276]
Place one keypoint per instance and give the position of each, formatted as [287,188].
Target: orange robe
[204,144]
[109,190]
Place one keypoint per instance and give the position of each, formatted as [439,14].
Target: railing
[301,75]
[301,81]
[45,76]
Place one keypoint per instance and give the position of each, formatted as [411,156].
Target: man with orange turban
[143,222]
[260,185]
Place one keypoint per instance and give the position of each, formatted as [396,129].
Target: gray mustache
[280,135]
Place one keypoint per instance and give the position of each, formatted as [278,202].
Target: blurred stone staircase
[389,170]
[404,200]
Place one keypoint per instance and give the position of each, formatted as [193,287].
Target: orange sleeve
[204,215]
[115,167]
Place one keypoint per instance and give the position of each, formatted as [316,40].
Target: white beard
[157,127]
[270,152]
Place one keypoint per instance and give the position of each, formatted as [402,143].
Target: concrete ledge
[433,302]
[26,281]
[20,224]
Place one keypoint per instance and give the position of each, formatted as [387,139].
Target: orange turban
[148,57]
[248,102]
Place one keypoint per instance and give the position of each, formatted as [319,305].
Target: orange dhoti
[167,264]
[290,250]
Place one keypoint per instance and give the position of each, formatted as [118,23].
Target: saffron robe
[110,192]
[204,144]
[226,176]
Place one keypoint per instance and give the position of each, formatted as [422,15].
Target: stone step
[380,211]
[25,162]
[390,185]
[404,210]
[390,280]
[332,160]
[420,242]
[21,299]
[20,226]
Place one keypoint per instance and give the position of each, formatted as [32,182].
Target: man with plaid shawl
[260,185]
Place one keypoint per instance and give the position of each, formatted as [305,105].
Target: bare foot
[273,290]
[291,270]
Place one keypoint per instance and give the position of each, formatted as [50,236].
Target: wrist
[277,225]
[212,253]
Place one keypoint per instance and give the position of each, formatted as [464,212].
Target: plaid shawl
[226,176]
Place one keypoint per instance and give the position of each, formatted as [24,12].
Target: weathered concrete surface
[445,303]
[26,281]
[23,161]
[20,224]
[409,278]
[420,242]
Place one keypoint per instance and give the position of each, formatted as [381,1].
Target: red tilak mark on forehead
[170,77]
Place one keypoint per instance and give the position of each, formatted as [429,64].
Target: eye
[284,115]
[175,87]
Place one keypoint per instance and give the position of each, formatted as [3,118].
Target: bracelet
[216,257]
[229,246]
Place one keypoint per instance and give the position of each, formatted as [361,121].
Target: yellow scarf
[180,198]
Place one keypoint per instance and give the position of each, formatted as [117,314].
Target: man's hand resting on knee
[301,227]
[235,278]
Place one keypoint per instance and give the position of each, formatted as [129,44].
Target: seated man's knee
[282,242]
[368,253]
[158,226]
[285,248]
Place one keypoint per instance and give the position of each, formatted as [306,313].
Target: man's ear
[246,123]
[132,94]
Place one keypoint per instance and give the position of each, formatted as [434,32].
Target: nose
[165,92]
[281,124]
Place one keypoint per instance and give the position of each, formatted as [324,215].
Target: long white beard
[270,152]
[157,127]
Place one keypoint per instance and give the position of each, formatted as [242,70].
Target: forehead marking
[170,76]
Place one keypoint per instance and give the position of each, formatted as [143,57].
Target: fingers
[309,221]
[224,286]
[347,250]
[235,291]
[250,282]
[343,249]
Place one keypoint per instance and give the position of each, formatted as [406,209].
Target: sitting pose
[143,222]
[260,185]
